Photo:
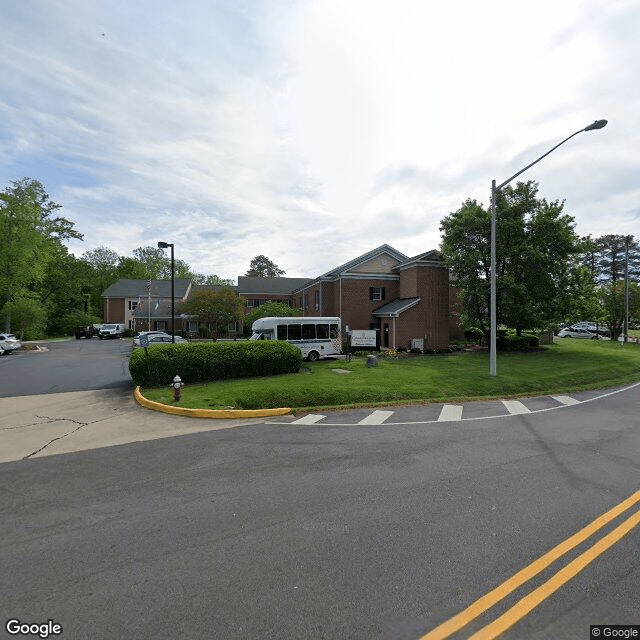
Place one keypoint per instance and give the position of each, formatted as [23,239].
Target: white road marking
[377,417]
[515,407]
[308,419]
[489,417]
[568,400]
[450,413]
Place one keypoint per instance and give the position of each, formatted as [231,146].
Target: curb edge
[207,413]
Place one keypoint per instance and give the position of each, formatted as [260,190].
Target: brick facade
[416,290]
[114,311]
[404,298]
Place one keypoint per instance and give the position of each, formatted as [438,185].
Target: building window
[317,300]
[193,327]
[376,293]
[160,325]
[253,304]
[306,301]
[132,305]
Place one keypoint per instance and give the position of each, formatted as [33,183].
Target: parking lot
[68,365]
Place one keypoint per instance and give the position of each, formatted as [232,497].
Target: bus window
[308,331]
[282,332]
[295,332]
[323,331]
[335,332]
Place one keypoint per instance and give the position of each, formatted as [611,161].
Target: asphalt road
[328,530]
[69,365]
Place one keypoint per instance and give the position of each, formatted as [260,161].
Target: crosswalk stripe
[308,419]
[515,407]
[377,417]
[568,400]
[450,413]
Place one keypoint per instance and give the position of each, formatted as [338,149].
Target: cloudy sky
[312,131]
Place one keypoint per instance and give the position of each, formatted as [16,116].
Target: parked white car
[573,332]
[8,343]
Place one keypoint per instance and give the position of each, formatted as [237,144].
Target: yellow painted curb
[208,413]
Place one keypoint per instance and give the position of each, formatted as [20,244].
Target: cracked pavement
[49,424]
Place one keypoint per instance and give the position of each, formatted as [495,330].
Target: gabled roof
[431,258]
[349,267]
[248,285]
[395,307]
[377,263]
[125,288]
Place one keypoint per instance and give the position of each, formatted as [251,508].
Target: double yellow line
[529,602]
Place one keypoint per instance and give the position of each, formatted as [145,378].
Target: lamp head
[163,245]
[598,124]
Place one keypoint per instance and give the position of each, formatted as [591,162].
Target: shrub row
[203,362]
[511,342]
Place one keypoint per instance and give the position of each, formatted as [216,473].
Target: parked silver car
[573,332]
[8,343]
[160,338]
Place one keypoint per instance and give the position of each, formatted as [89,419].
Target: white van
[315,337]
[111,331]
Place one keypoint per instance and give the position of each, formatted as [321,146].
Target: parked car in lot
[572,332]
[592,327]
[160,338]
[8,343]
[87,331]
[111,331]
[158,332]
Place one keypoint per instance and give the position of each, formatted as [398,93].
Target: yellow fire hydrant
[177,388]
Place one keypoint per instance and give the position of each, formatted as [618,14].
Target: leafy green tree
[262,267]
[269,309]
[28,317]
[133,269]
[156,264]
[213,280]
[535,246]
[581,299]
[612,300]
[31,233]
[68,285]
[216,309]
[67,323]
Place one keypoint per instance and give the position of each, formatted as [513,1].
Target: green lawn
[570,365]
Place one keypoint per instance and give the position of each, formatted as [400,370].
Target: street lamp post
[165,245]
[598,124]
[627,240]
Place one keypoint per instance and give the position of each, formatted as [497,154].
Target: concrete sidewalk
[44,425]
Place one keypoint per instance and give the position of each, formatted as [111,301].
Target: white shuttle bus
[315,337]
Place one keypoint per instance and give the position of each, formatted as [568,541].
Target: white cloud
[312,131]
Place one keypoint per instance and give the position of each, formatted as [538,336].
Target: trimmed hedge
[511,342]
[203,362]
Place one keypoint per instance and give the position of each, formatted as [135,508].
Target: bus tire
[313,356]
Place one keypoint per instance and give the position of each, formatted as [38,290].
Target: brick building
[131,303]
[402,298]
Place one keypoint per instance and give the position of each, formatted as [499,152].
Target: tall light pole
[627,240]
[598,124]
[165,245]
